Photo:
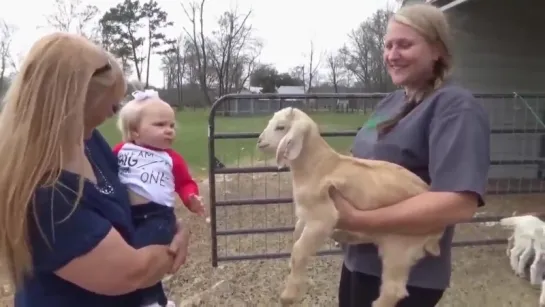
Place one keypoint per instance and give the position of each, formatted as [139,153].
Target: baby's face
[157,126]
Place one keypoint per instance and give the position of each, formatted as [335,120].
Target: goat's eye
[279,128]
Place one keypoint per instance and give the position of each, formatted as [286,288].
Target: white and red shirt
[155,174]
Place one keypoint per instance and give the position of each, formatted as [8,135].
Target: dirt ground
[481,275]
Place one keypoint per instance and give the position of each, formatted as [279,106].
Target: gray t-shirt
[445,140]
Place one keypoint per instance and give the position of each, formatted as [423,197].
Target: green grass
[192,138]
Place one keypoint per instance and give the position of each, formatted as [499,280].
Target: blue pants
[154,224]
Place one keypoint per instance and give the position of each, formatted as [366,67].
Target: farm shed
[498,51]
[341,105]
[248,107]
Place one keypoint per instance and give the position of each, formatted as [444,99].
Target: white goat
[539,263]
[527,241]
[316,168]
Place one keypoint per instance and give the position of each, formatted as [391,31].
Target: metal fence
[250,199]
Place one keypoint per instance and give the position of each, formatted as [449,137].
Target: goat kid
[316,168]
[526,241]
[539,263]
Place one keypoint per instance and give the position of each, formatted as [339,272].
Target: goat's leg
[314,234]
[396,267]
[514,256]
[523,260]
[347,237]
[542,295]
[537,269]
[509,245]
[299,225]
[350,237]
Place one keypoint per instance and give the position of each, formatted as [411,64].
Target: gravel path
[481,276]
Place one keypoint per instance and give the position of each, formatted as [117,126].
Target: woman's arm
[113,267]
[81,246]
[422,214]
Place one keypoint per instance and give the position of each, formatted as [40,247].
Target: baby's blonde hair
[130,116]
[43,118]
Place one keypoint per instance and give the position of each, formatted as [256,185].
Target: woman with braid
[436,129]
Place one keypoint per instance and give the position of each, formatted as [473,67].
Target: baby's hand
[196,205]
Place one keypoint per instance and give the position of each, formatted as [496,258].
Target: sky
[285,26]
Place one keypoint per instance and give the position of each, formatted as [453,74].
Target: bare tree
[313,66]
[335,66]
[198,40]
[6,59]
[298,73]
[157,21]
[377,26]
[308,74]
[357,55]
[193,73]
[75,16]
[120,27]
[174,67]
[233,51]
[249,59]
[362,55]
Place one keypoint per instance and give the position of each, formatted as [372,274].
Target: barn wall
[497,49]
[498,45]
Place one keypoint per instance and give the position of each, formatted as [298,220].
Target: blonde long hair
[44,119]
[430,22]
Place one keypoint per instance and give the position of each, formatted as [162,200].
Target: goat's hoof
[289,296]
[286,300]
[344,237]
[535,280]
[378,303]
[384,303]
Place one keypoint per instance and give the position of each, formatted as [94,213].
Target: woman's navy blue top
[71,233]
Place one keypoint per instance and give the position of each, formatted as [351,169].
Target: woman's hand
[350,218]
[179,246]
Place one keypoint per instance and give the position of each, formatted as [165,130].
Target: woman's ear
[437,50]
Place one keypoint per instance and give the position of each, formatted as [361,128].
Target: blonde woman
[66,232]
[434,128]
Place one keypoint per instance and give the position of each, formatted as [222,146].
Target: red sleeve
[183,182]
[117,148]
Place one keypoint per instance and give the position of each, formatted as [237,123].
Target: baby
[153,172]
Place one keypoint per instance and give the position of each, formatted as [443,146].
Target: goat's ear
[291,113]
[289,148]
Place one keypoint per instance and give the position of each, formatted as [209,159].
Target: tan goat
[316,168]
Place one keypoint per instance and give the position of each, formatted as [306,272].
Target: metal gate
[517,154]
